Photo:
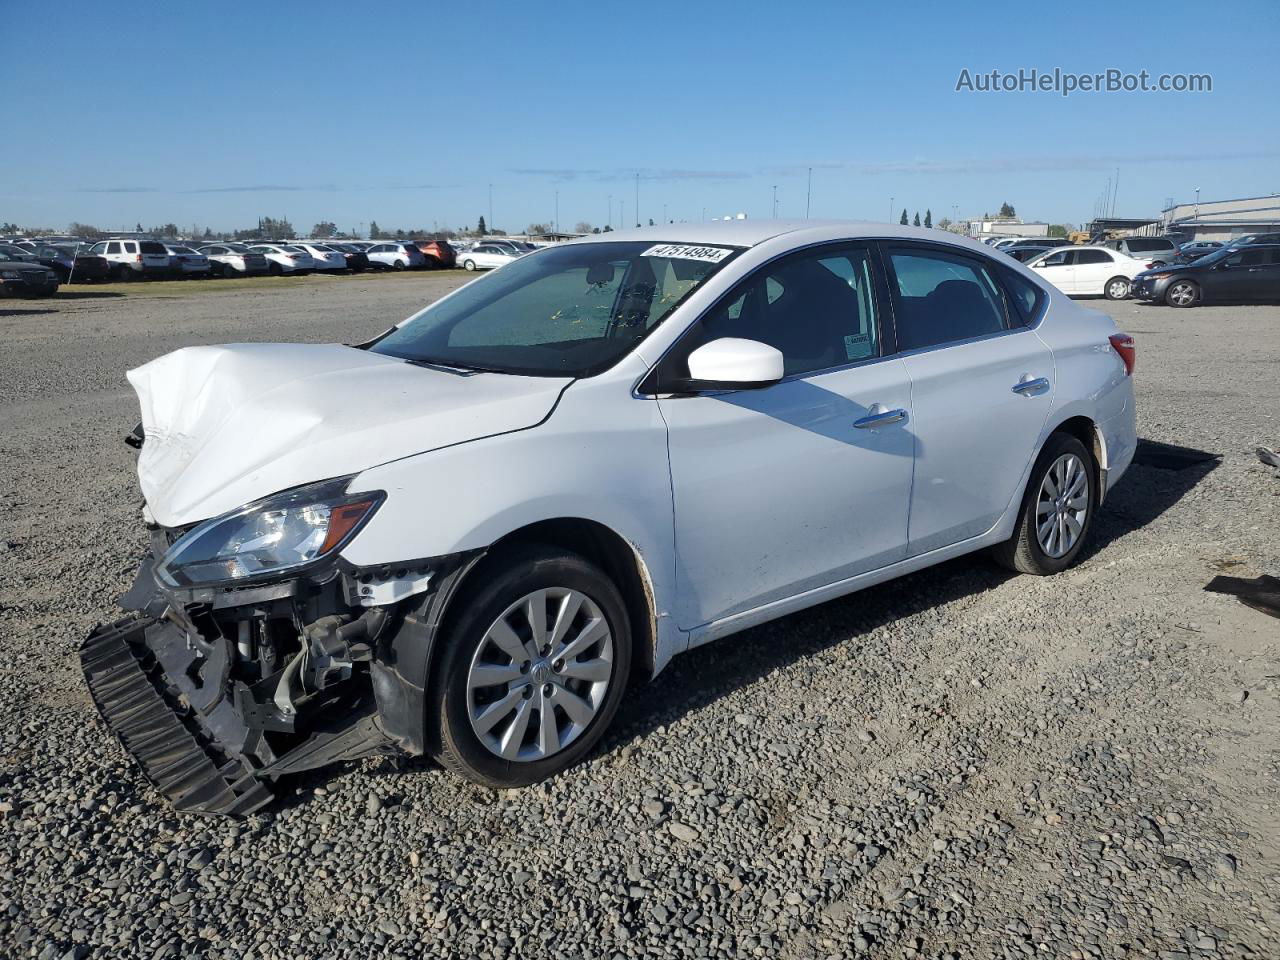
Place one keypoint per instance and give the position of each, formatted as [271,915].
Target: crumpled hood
[229,424]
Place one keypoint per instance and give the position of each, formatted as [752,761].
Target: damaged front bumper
[219,692]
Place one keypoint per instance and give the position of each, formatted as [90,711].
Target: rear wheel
[275,269]
[1057,510]
[1117,288]
[468,265]
[536,664]
[400,264]
[123,274]
[1182,293]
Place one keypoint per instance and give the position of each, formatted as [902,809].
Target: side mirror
[732,363]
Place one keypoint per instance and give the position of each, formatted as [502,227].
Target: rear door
[1093,268]
[1059,269]
[981,390]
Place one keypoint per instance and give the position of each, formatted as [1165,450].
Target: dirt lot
[962,763]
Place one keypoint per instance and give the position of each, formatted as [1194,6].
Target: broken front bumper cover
[218,693]
[204,762]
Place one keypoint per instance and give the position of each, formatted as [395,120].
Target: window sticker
[688,251]
[857,346]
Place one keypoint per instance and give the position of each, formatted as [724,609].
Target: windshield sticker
[687,251]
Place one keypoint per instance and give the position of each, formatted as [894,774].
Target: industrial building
[1221,220]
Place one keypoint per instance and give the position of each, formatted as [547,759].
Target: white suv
[465,537]
[134,259]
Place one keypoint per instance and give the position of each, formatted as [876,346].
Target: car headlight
[282,533]
[10,274]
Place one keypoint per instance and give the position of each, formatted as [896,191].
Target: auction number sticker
[687,251]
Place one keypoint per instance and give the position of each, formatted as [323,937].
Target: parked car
[1025,254]
[325,257]
[235,259]
[24,277]
[1249,239]
[439,253]
[395,255]
[1229,275]
[1190,251]
[133,259]
[357,259]
[185,262]
[86,267]
[460,539]
[284,258]
[1150,250]
[1088,271]
[488,256]
[1038,242]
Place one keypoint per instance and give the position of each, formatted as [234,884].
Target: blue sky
[406,113]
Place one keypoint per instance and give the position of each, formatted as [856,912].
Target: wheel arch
[618,558]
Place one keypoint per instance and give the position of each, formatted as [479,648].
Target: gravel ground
[960,764]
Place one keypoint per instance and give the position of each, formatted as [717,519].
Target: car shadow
[705,674]
[65,294]
[24,313]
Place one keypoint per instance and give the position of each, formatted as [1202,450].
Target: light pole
[610,220]
[891,209]
[1197,216]
[490,224]
[775,201]
[555,223]
[637,198]
[808,194]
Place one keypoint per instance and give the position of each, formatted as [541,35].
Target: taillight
[1123,344]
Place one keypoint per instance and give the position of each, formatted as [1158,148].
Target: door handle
[1028,387]
[880,416]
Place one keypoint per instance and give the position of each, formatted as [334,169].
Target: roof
[749,233]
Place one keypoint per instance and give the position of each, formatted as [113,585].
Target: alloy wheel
[1182,294]
[1062,505]
[1119,289]
[540,674]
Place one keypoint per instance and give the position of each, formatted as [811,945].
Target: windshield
[570,311]
[1213,257]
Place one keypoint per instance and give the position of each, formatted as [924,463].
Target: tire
[1117,288]
[523,686]
[229,272]
[1033,551]
[469,265]
[1182,293]
[123,274]
[275,269]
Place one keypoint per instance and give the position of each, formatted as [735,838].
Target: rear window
[1148,244]
[150,246]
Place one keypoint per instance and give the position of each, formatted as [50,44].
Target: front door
[788,488]
[1059,269]
[981,391]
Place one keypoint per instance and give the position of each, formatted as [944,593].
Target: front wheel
[1182,293]
[536,664]
[1057,510]
[468,265]
[1117,288]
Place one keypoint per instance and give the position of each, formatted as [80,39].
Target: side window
[1025,296]
[943,298]
[1060,259]
[113,246]
[1252,258]
[130,246]
[817,308]
[98,248]
[1093,256]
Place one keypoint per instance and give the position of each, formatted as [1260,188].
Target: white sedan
[324,257]
[284,258]
[466,537]
[488,256]
[1088,271]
